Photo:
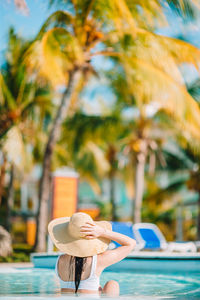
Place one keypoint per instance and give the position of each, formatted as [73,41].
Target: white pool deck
[16,265]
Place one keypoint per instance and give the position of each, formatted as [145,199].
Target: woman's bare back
[66,268]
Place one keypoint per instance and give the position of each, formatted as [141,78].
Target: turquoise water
[30,283]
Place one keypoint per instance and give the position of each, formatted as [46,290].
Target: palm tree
[66,53]
[93,144]
[150,80]
[66,44]
[20,94]
[23,105]
[181,173]
[193,182]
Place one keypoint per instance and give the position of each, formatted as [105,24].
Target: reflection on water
[42,284]
[28,281]
[168,285]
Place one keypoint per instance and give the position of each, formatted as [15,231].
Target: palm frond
[55,55]
[149,83]
[182,51]
[7,97]
[99,156]
[59,18]
[194,90]
[187,9]
[164,52]
[147,14]
[83,9]
[14,147]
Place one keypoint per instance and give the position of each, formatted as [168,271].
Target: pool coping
[145,255]
[141,255]
[17,265]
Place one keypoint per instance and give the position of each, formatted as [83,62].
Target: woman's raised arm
[111,256]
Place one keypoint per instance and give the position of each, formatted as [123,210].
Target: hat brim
[81,247]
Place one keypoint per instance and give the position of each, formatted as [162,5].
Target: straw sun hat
[65,234]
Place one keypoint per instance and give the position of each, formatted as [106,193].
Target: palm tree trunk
[2,178]
[112,196]
[44,188]
[179,221]
[198,220]
[10,199]
[5,126]
[139,186]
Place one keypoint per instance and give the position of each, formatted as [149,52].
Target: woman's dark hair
[78,267]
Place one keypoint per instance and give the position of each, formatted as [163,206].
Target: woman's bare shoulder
[101,257]
[63,258]
[110,257]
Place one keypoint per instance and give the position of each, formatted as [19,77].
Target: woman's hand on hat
[91,231]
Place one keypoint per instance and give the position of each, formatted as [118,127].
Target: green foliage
[21,96]
[21,253]
[146,72]
[105,210]
[185,8]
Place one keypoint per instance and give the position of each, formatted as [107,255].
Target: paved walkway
[16,265]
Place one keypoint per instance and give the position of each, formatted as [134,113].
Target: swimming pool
[39,284]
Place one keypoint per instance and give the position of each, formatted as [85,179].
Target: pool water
[33,283]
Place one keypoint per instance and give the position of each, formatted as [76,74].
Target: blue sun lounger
[150,235]
[153,239]
[127,229]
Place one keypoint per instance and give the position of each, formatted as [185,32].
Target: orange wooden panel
[64,196]
[31,231]
[92,212]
